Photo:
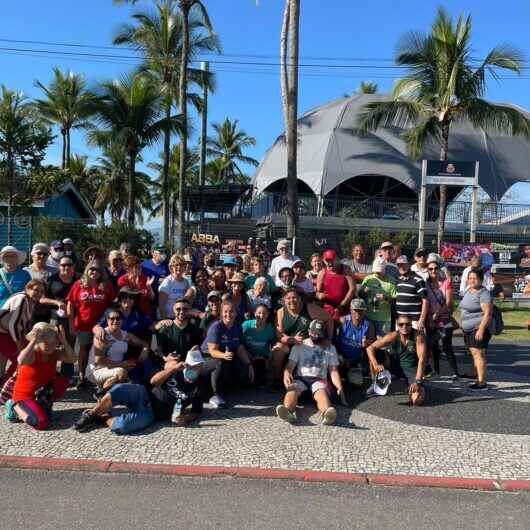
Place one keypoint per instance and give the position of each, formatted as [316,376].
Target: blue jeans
[140,414]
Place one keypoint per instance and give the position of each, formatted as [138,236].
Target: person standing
[411,296]
[285,259]
[115,270]
[420,265]
[174,287]
[13,278]
[316,266]
[56,253]
[39,270]
[358,267]
[387,253]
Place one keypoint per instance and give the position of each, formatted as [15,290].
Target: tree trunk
[183,97]
[68,148]
[10,184]
[165,176]
[130,198]
[444,152]
[63,159]
[292,125]
[284,41]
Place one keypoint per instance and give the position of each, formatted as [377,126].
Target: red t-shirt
[30,377]
[90,303]
[335,288]
[144,303]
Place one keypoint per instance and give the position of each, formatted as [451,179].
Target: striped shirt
[410,293]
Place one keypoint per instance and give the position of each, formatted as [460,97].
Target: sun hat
[230,261]
[238,277]
[10,249]
[128,292]
[402,259]
[329,254]
[358,304]
[39,247]
[194,357]
[386,244]
[317,328]
[283,243]
[379,265]
[214,294]
[382,382]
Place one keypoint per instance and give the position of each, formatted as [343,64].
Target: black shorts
[471,342]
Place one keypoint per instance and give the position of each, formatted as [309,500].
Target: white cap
[194,357]
[434,258]
[382,382]
[68,241]
[42,247]
[379,265]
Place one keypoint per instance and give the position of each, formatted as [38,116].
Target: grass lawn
[515,325]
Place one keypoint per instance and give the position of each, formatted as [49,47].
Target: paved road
[58,500]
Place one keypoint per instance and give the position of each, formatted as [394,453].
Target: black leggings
[445,336]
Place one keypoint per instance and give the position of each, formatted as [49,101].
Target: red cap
[329,255]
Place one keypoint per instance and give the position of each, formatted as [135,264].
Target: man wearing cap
[68,246]
[387,253]
[213,310]
[356,332]
[420,263]
[379,292]
[230,266]
[285,259]
[406,358]
[411,295]
[335,286]
[314,360]
[13,278]
[39,270]
[301,282]
[56,253]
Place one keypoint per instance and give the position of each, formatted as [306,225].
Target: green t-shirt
[378,310]
[258,343]
[251,279]
[175,339]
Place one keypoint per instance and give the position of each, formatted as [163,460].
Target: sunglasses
[404,324]
[58,248]
[180,309]
[433,268]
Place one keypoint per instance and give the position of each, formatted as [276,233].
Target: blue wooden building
[68,203]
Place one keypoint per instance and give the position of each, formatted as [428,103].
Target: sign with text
[451,173]
[461,253]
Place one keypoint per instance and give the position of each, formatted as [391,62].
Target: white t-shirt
[313,360]
[116,350]
[277,264]
[174,289]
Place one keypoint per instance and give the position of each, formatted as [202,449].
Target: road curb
[107,466]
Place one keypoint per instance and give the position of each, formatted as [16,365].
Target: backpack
[497,322]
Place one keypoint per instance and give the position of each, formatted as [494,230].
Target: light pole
[205,67]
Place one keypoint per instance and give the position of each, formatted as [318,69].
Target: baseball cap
[68,241]
[230,260]
[194,357]
[402,259]
[56,244]
[358,304]
[283,243]
[160,248]
[379,265]
[387,244]
[420,250]
[329,255]
[298,262]
[216,294]
[317,328]
[382,382]
[39,247]
[433,258]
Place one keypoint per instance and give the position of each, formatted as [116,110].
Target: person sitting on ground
[172,389]
[225,354]
[358,267]
[356,333]
[37,384]
[301,282]
[258,271]
[38,270]
[284,260]
[213,311]
[259,336]
[107,365]
[406,358]
[174,287]
[335,286]
[316,266]
[411,296]
[258,294]
[314,360]
[378,291]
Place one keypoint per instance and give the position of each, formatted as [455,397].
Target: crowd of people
[163,336]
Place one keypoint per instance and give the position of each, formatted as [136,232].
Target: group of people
[165,335]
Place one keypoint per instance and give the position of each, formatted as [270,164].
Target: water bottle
[61,313]
[177,411]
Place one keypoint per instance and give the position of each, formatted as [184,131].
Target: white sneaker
[370,391]
[329,416]
[285,414]
[217,402]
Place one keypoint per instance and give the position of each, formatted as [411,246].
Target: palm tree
[442,87]
[367,87]
[228,145]
[158,36]
[86,178]
[68,105]
[129,114]
[186,8]
[289,52]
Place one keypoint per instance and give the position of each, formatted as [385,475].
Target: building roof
[330,151]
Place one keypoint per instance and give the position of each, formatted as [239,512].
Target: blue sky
[340,29]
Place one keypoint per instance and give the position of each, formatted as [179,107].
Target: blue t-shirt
[150,268]
[350,341]
[16,281]
[227,339]
[258,343]
[136,323]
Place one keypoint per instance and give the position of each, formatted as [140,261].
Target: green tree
[129,115]
[228,145]
[158,36]
[443,86]
[86,178]
[24,138]
[68,105]
[367,87]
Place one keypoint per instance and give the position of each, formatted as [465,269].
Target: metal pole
[205,67]
[474,199]
[423,204]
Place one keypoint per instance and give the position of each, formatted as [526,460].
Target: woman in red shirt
[137,280]
[37,384]
[87,300]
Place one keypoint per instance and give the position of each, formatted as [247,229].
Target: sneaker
[370,391]
[11,415]
[477,386]
[467,376]
[329,416]
[285,414]
[455,378]
[85,421]
[217,402]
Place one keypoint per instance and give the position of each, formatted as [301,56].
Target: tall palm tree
[187,7]
[158,36]
[85,177]
[129,114]
[228,145]
[68,105]
[443,86]
[367,87]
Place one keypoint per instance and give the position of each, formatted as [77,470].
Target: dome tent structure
[331,152]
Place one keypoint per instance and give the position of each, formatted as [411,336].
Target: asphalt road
[38,499]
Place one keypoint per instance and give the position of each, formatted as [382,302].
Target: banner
[450,172]
[461,254]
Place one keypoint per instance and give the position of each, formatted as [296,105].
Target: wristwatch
[419,381]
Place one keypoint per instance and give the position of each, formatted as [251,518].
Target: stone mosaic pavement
[458,434]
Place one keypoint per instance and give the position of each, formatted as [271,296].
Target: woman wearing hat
[39,270]
[37,385]
[13,278]
[238,297]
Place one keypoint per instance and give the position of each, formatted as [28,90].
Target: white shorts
[314,385]
[100,375]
